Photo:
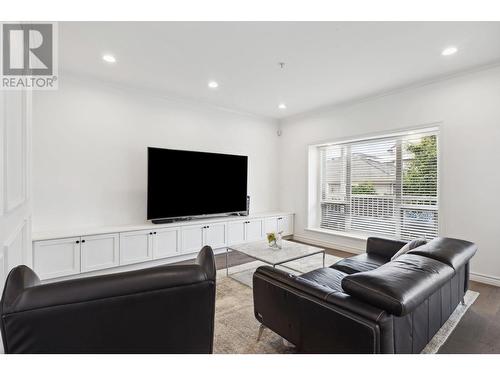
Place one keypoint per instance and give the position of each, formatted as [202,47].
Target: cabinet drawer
[56,258]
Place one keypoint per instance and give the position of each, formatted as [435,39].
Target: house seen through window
[386,186]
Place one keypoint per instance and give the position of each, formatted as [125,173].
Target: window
[385,186]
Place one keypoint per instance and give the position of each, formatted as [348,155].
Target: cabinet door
[271,225]
[57,258]
[136,246]
[100,252]
[235,232]
[285,224]
[192,238]
[165,242]
[215,235]
[254,230]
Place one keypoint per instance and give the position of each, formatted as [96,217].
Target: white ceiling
[326,62]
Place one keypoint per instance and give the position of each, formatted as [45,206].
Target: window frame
[314,188]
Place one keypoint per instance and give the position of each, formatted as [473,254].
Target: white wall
[89,151]
[468,108]
[15,181]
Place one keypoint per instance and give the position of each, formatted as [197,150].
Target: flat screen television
[184,184]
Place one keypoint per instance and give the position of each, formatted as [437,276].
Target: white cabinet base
[64,255]
[136,246]
[235,232]
[215,235]
[56,258]
[192,238]
[166,242]
[100,252]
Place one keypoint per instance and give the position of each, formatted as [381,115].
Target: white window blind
[385,186]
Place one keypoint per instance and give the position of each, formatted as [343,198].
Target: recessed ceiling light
[449,51]
[109,58]
[282,106]
[213,84]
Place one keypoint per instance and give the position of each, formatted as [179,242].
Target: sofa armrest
[318,319]
[19,279]
[206,261]
[383,246]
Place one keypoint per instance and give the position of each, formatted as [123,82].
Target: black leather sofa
[367,303]
[166,309]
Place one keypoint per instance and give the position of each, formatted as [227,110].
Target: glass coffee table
[260,250]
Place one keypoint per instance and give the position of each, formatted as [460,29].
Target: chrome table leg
[261,330]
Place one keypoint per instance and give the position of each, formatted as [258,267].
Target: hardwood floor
[477,333]
[479,330]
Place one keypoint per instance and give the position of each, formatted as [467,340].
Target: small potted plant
[271,240]
[274,240]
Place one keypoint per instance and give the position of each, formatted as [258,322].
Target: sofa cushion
[451,251]
[326,277]
[360,263]
[401,285]
[413,244]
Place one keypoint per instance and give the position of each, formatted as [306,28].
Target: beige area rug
[236,328]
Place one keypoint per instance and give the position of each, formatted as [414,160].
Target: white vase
[279,241]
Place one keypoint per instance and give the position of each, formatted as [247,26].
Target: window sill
[356,236]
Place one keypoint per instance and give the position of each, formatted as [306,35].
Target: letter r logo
[27,49]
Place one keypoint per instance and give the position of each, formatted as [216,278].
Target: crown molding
[159,94]
[384,93]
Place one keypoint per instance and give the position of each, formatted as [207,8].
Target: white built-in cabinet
[282,224]
[254,230]
[99,252]
[57,258]
[143,245]
[245,231]
[215,235]
[194,237]
[136,246]
[285,225]
[166,242]
[236,232]
[61,257]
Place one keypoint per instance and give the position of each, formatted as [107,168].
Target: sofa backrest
[142,311]
[451,251]
[400,285]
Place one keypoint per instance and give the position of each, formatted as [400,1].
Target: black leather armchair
[166,309]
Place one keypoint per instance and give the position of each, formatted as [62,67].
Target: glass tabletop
[260,250]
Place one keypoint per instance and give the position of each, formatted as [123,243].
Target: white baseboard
[331,245]
[485,279]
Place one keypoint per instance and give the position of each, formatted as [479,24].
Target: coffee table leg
[227,263]
[323,259]
[261,330]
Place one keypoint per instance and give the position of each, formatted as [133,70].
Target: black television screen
[190,183]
